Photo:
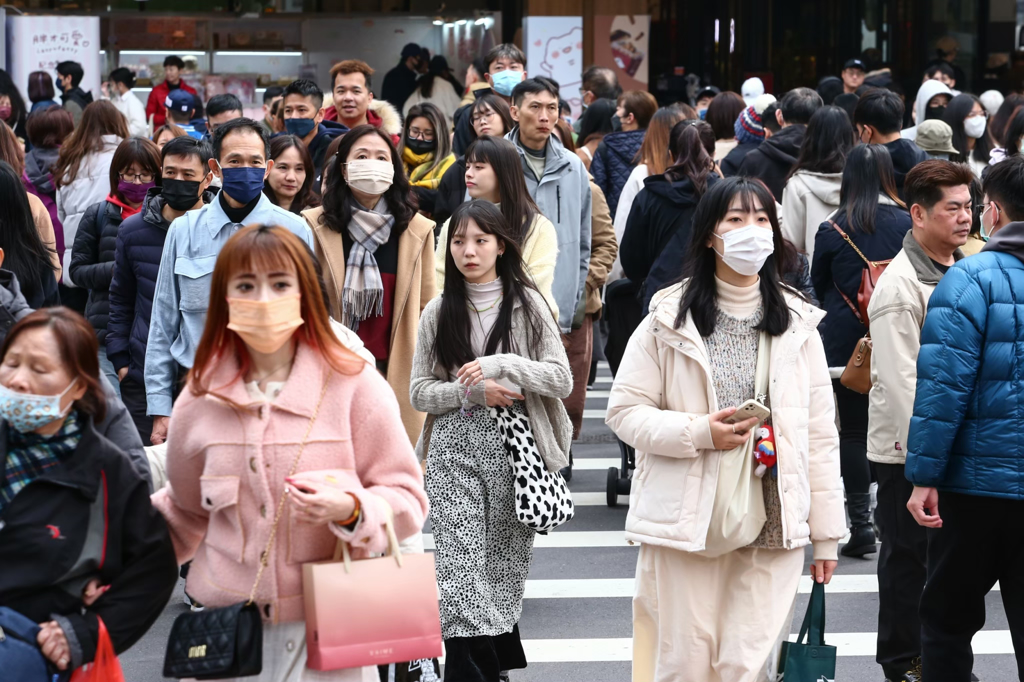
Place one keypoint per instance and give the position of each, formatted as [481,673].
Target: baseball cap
[180,100]
[935,137]
[705,91]
[751,90]
[411,50]
[854,64]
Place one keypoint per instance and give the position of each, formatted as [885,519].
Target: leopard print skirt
[483,552]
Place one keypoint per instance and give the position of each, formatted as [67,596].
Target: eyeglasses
[426,135]
[483,116]
[140,179]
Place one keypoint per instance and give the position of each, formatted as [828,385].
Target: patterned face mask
[26,412]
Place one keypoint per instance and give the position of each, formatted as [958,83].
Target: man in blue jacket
[241,161]
[967,437]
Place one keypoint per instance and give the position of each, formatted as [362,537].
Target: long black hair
[688,145]
[826,144]
[517,205]
[867,175]
[957,111]
[700,296]
[452,345]
[24,252]
[1014,133]
[337,199]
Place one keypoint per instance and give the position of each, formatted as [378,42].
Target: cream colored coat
[414,287]
[660,402]
[896,312]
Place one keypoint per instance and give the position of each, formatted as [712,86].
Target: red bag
[105,667]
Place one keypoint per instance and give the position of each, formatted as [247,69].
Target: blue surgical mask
[242,184]
[505,81]
[299,127]
[26,412]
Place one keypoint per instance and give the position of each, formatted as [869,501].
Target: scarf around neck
[363,293]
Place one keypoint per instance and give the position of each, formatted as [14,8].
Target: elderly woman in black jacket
[134,170]
[79,539]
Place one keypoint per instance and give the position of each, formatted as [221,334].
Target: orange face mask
[265,326]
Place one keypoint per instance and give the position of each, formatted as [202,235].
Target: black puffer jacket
[657,233]
[730,165]
[905,155]
[450,193]
[92,261]
[774,158]
[613,162]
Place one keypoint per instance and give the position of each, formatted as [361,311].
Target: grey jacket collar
[925,268]
[1008,239]
[555,161]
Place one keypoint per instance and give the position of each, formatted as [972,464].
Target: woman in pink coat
[267,371]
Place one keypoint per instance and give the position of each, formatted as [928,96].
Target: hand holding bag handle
[814,661]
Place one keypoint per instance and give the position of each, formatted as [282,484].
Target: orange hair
[265,248]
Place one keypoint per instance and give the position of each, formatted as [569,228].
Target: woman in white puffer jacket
[82,171]
[710,604]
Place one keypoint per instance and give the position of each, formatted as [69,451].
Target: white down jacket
[660,402]
[91,185]
[808,199]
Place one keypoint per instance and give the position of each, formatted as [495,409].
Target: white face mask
[747,248]
[975,126]
[370,176]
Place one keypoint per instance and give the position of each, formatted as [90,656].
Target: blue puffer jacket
[967,432]
[140,243]
[613,162]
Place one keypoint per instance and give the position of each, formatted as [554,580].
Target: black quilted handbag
[215,644]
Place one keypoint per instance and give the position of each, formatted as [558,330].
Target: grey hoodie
[1008,239]
[807,201]
[38,163]
[925,93]
[563,197]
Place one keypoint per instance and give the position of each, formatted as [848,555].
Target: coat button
[252,464]
[263,510]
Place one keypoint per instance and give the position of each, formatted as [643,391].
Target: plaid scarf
[363,294]
[30,455]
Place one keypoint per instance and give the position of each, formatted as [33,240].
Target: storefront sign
[554,48]
[621,43]
[39,43]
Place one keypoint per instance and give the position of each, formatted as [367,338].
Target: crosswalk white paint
[610,650]
[602,381]
[594,414]
[595,463]
[564,539]
[617,588]
[598,394]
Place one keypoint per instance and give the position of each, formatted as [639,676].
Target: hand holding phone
[748,410]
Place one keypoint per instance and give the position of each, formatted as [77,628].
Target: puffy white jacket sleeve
[827,518]
[794,214]
[635,405]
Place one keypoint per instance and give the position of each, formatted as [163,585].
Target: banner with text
[554,48]
[39,43]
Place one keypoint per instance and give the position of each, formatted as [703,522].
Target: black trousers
[133,395]
[902,569]
[482,658]
[853,447]
[981,541]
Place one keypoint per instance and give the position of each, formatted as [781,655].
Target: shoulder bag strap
[762,371]
[863,258]
[265,556]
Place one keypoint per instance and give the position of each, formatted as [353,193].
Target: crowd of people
[358,311]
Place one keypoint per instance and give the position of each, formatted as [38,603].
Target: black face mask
[420,146]
[180,195]
[934,112]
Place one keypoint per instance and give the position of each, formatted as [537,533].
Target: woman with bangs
[489,361]
[494,173]
[270,379]
[714,598]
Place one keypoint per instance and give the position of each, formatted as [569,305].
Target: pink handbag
[371,612]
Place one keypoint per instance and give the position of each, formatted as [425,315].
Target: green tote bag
[813,661]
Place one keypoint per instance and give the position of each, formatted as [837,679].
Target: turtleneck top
[484,303]
[739,302]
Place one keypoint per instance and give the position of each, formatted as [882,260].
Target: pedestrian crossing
[577,614]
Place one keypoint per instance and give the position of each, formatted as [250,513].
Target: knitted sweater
[732,349]
[542,372]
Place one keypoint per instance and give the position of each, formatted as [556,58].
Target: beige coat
[660,402]
[807,201]
[896,313]
[604,247]
[44,226]
[414,287]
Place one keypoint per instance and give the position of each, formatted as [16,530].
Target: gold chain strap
[265,556]
[871,263]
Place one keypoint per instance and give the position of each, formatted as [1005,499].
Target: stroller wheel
[613,487]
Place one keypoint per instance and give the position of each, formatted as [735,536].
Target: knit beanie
[748,124]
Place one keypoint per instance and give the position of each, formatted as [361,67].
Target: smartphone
[748,410]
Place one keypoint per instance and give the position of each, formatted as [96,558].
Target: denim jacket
[182,293]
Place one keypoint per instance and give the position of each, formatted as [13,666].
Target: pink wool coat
[226,469]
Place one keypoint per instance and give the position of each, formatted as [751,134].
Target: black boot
[566,472]
[862,534]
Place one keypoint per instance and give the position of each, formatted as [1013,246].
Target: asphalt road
[577,622]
